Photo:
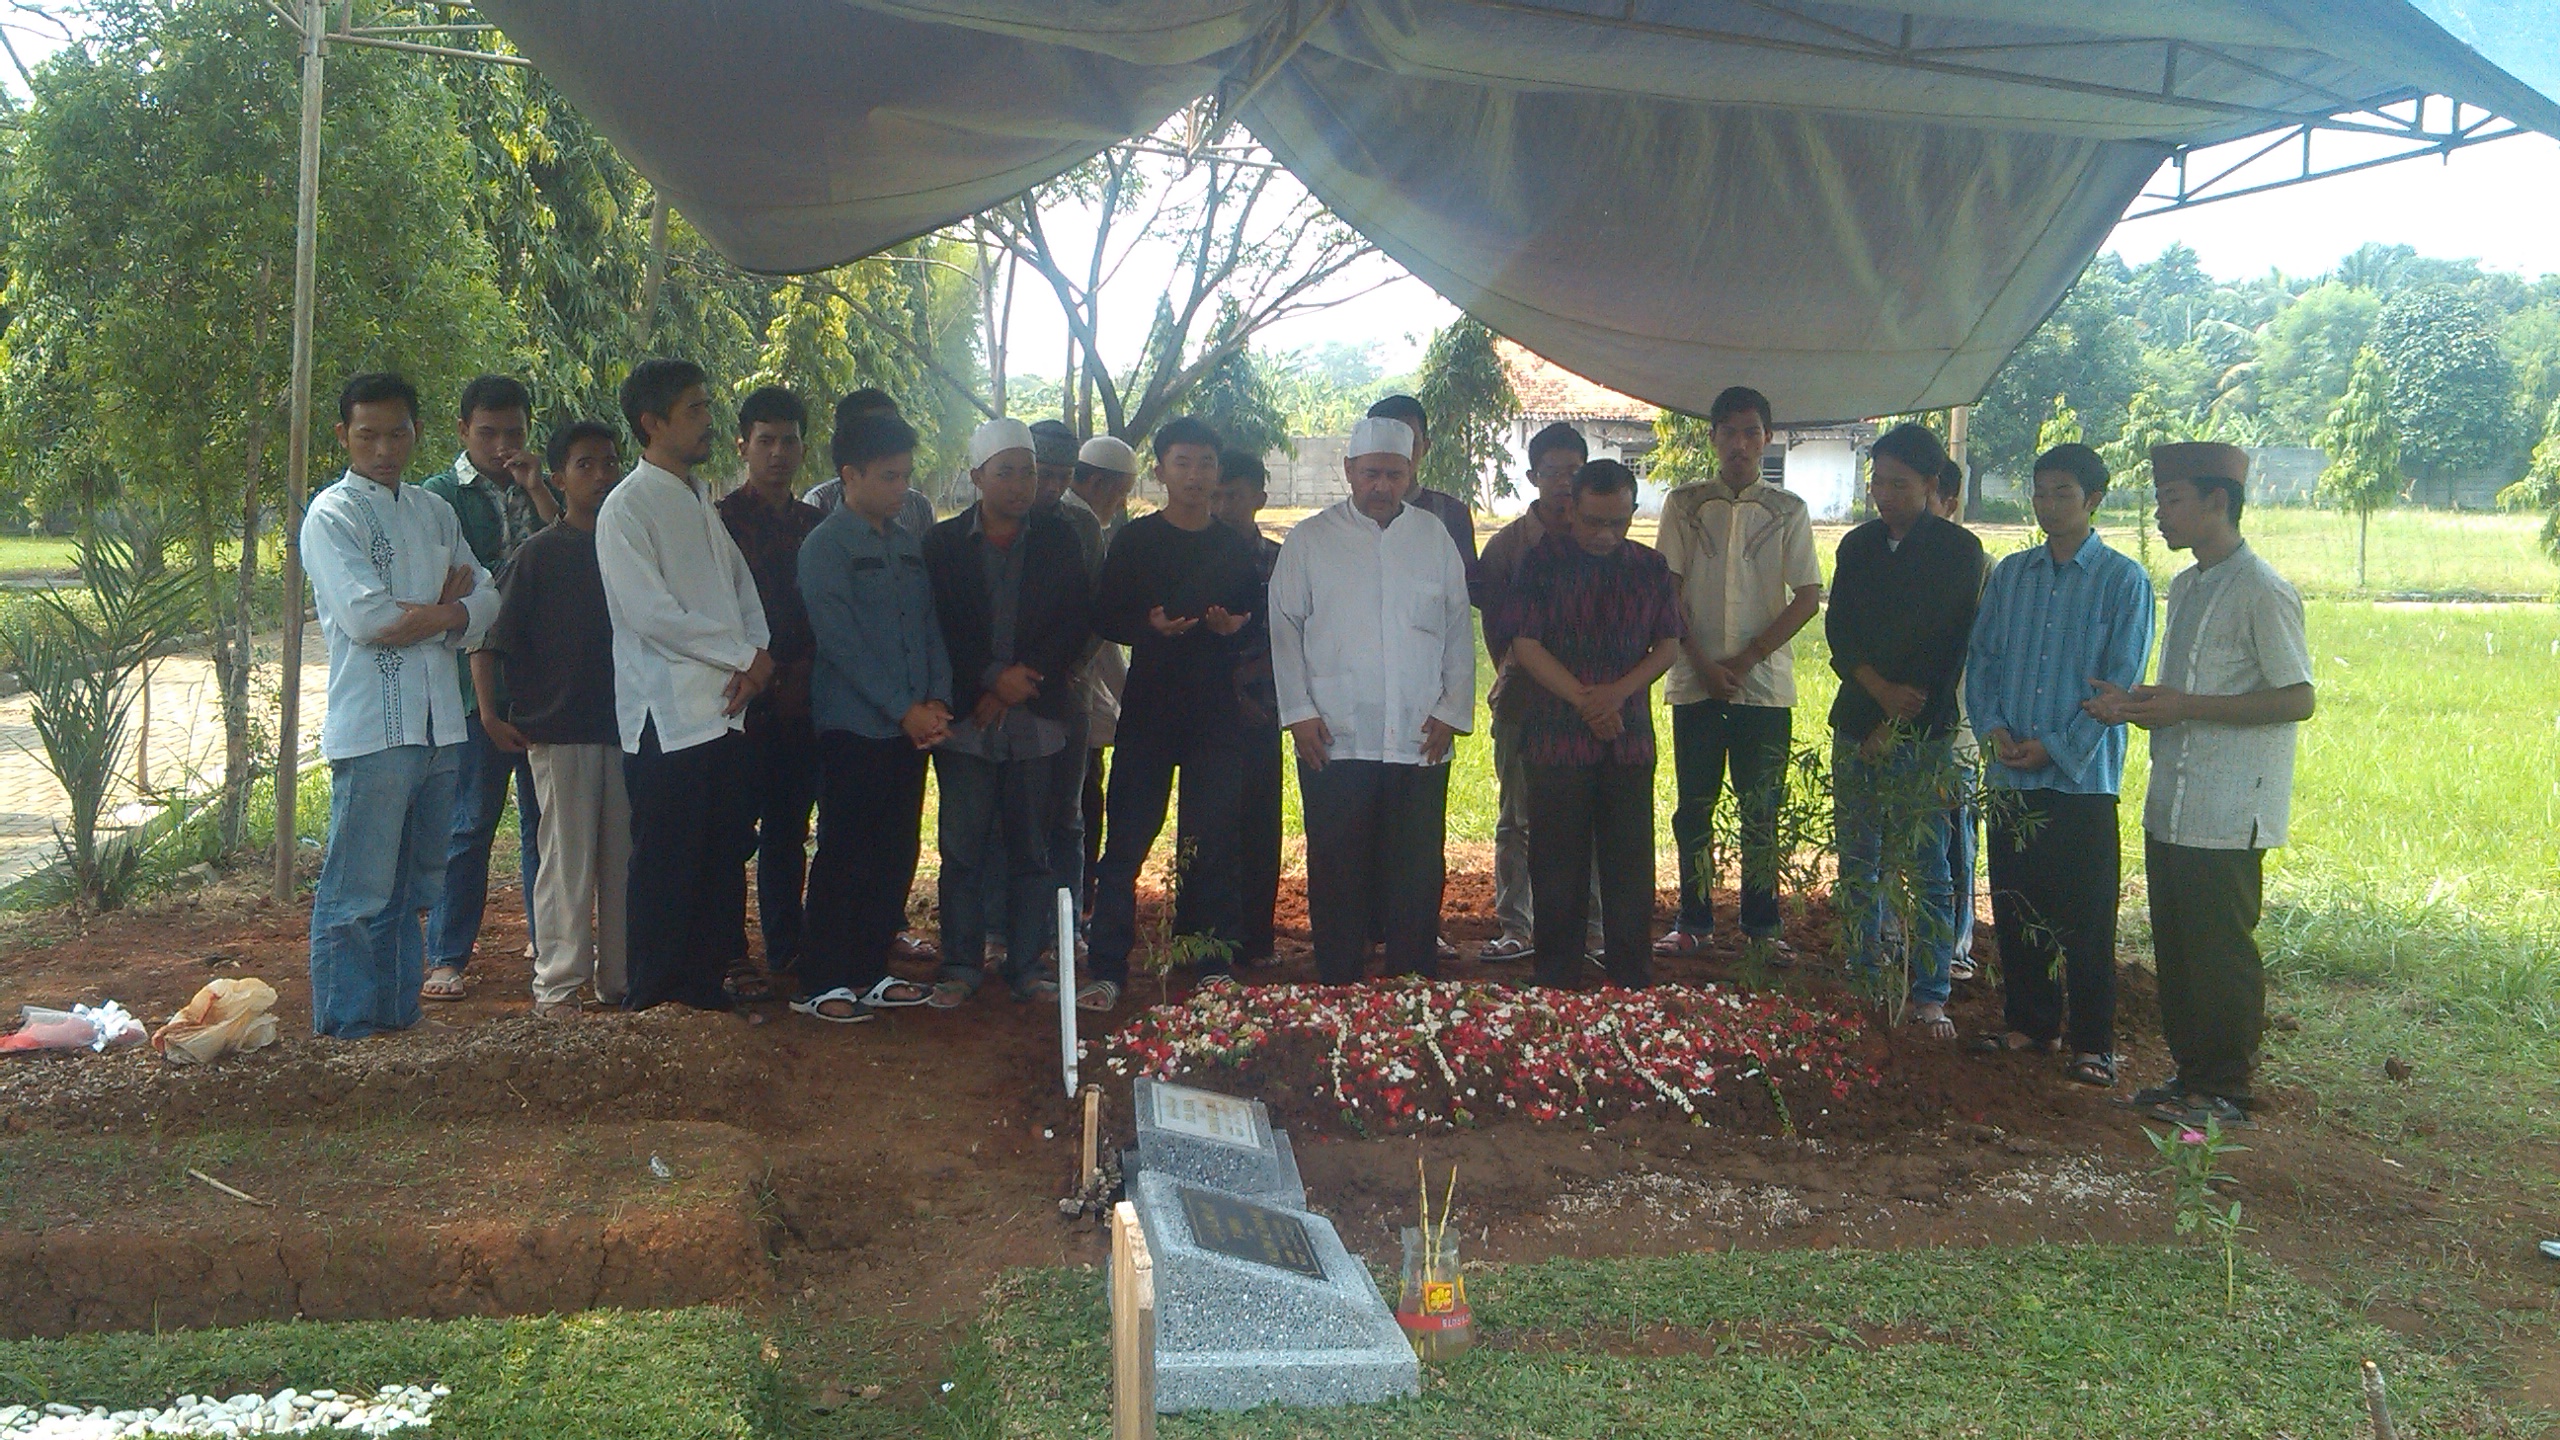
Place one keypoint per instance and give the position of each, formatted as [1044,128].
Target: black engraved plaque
[1231,1227]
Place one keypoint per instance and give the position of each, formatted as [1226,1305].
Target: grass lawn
[608,1374]
[38,555]
[2122,1343]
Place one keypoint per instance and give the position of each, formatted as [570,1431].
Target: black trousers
[2213,993]
[784,760]
[871,804]
[692,828]
[1710,740]
[2056,870]
[1258,860]
[1376,861]
[1579,813]
[1143,762]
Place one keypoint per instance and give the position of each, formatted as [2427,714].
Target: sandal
[1503,949]
[950,994]
[839,1006]
[1771,951]
[1677,943]
[558,1010]
[1962,968]
[748,983]
[1932,1018]
[891,993]
[1098,995]
[444,982]
[2009,1043]
[2094,1070]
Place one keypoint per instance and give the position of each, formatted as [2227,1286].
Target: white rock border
[286,1412]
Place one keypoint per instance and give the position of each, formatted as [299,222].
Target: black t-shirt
[1189,679]
[554,638]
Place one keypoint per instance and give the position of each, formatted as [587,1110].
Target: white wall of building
[1824,471]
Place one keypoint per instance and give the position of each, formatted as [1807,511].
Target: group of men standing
[674,684]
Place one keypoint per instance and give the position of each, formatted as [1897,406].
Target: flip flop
[841,995]
[451,987]
[891,993]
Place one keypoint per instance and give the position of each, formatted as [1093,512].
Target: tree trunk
[234,657]
[2364,523]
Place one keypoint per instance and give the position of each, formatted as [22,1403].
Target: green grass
[698,1374]
[38,555]
[2120,1342]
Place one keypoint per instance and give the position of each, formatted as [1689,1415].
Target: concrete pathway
[184,751]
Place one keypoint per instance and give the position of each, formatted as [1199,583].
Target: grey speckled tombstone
[1300,1324]
[1218,1141]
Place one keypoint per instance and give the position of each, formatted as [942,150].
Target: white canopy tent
[1860,209]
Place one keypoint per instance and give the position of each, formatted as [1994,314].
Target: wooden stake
[2377,1403]
[1133,1328]
[227,1190]
[1092,1140]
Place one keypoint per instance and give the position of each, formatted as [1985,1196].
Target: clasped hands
[1314,741]
[2152,707]
[425,622]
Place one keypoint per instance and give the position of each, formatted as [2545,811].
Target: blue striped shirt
[2043,632]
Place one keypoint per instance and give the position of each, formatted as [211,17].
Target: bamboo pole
[297,470]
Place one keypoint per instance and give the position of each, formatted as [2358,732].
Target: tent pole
[656,275]
[297,470]
[1960,420]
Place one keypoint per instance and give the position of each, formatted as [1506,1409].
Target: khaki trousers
[586,866]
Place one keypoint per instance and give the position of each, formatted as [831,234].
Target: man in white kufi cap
[1375,664]
[1095,506]
[1010,593]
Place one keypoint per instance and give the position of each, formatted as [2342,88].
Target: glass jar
[1431,1303]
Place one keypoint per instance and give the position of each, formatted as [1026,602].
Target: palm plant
[77,652]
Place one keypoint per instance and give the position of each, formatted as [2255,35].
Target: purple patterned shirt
[1598,615]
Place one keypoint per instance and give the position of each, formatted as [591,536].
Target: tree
[2363,447]
[152,243]
[2148,421]
[2452,389]
[2306,353]
[1252,248]
[1240,402]
[1467,394]
[1684,450]
[2540,487]
[2089,350]
[2061,427]
[2531,338]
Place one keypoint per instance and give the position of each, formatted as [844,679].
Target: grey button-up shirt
[880,650]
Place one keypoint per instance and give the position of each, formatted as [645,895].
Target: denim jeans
[1890,820]
[993,809]
[389,815]
[479,800]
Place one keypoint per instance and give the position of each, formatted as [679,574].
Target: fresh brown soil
[879,1176]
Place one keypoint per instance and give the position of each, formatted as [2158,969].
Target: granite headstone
[1260,1304]
[1217,1141]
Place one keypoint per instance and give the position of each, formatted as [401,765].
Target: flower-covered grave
[1424,1055]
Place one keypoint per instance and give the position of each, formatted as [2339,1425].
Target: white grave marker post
[1067,986]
